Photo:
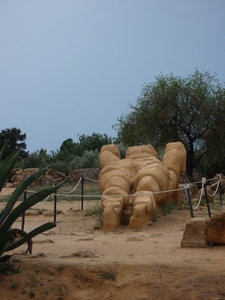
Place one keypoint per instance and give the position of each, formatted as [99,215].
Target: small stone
[134,239]
[43,241]
[78,233]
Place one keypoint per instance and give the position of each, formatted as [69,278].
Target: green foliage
[190,110]
[123,149]
[96,210]
[8,236]
[60,166]
[89,160]
[12,139]
[70,156]
[94,141]
[108,275]
[70,149]
[37,159]
[167,208]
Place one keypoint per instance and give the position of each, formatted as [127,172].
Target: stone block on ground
[195,234]
[216,229]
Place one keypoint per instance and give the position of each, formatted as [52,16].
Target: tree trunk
[190,159]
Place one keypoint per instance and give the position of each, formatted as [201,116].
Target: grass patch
[108,275]
[167,208]
[72,192]
[5,198]
[14,286]
[95,209]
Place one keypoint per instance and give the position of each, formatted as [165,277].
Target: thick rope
[91,179]
[200,198]
[72,189]
[62,193]
[218,184]
[34,192]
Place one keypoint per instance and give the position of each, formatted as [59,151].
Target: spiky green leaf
[18,192]
[6,167]
[30,201]
[1,152]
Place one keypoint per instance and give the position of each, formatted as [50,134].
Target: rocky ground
[75,261]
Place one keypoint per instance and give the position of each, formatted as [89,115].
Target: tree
[189,110]
[13,140]
[37,159]
[94,141]
[68,149]
[83,154]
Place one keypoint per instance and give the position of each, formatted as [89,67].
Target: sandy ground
[74,261]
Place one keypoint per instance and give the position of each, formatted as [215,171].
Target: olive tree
[190,110]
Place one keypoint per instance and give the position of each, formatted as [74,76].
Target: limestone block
[195,234]
[216,229]
[108,155]
[175,160]
[175,157]
[141,151]
[112,176]
[17,178]
[133,186]
[17,171]
[112,216]
[29,171]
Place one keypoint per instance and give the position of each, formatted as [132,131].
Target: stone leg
[144,205]
[112,216]
[138,220]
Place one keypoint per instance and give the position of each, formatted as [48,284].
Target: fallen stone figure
[133,187]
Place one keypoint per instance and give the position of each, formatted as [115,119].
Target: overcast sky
[70,67]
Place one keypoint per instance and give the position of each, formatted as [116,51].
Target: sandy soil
[74,261]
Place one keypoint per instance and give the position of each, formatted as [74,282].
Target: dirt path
[73,261]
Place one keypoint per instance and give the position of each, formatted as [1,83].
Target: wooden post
[55,202]
[82,193]
[207,200]
[189,201]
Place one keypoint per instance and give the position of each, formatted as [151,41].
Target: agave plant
[11,238]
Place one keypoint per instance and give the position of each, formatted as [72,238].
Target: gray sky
[70,67]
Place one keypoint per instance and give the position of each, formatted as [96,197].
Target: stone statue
[132,187]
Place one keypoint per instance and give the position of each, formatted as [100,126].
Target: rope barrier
[186,188]
[68,194]
[201,194]
[90,179]
[218,184]
[44,200]
[72,189]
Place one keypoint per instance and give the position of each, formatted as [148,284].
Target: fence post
[207,200]
[23,215]
[189,201]
[55,201]
[82,193]
[220,189]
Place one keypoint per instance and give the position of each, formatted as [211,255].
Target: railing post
[55,201]
[220,189]
[207,200]
[82,193]
[23,215]
[189,201]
